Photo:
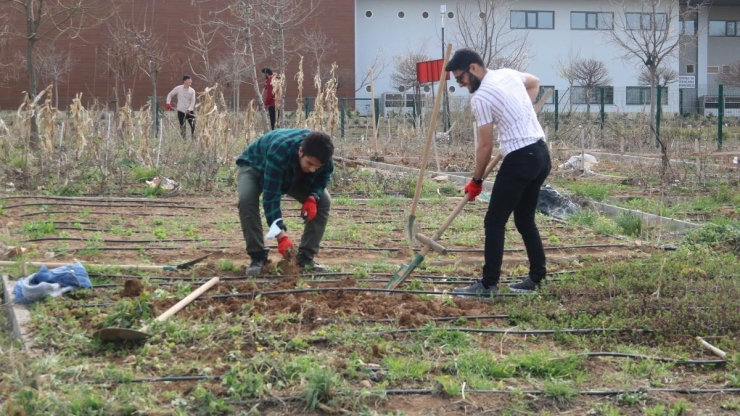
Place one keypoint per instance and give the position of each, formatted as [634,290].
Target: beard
[473,83]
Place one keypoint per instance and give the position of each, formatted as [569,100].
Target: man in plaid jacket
[296,162]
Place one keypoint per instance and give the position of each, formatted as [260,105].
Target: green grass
[595,191]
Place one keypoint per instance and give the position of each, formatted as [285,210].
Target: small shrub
[630,224]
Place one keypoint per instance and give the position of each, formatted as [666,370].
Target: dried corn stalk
[80,121]
[299,121]
[125,123]
[47,126]
[278,84]
[143,127]
[25,114]
[330,101]
[315,121]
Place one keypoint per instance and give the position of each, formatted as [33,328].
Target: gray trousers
[249,187]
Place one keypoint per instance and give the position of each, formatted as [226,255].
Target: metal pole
[603,116]
[720,115]
[657,115]
[557,102]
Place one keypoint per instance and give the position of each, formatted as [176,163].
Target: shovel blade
[404,272]
[120,334]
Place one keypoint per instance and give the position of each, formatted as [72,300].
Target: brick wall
[90,77]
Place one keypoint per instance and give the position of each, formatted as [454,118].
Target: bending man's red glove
[308,211]
[169,106]
[473,189]
[284,244]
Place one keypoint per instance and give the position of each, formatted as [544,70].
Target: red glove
[308,211]
[473,189]
[169,106]
[284,244]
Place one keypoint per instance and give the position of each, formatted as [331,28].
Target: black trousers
[516,189]
[271,110]
[191,120]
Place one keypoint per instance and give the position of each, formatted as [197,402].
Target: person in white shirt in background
[502,100]
[185,95]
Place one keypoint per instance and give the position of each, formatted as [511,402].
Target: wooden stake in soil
[372,114]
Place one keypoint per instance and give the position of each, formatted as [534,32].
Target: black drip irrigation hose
[512,331]
[350,248]
[105,206]
[319,290]
[138,214]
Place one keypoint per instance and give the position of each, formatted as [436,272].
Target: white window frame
[598,19]
[578,95]
[647,20]
[644,92]
[531,19]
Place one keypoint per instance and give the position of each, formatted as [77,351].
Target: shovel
[405,270]
[180,266]
[410,227]
[128,334]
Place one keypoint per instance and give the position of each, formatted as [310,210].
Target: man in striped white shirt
[502,100]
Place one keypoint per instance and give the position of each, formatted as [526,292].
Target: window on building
[645,21]
[689,69]
[532,20]
[544,88]
[724,28]
[641,95]
[591,20]
[687,27]
[578,95]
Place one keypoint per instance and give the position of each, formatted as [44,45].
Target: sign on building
[687,81]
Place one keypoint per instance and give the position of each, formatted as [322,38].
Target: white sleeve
[173,92]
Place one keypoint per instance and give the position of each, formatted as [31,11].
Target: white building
[556,32]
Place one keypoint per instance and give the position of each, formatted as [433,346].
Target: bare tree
[484,27]
[647,32]
[279,20]
[588,74]
[664,75]
[730,74]
[236,25]
[318,46]
[53,64]
[34,21]
[152,58]
[405,75]
[378,65]
[121,56]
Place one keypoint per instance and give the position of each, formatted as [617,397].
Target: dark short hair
[267,71]
[185,77]
[319,145]
[462,59]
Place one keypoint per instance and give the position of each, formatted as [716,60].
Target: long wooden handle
[432,124]
[183,303]
[492,164]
